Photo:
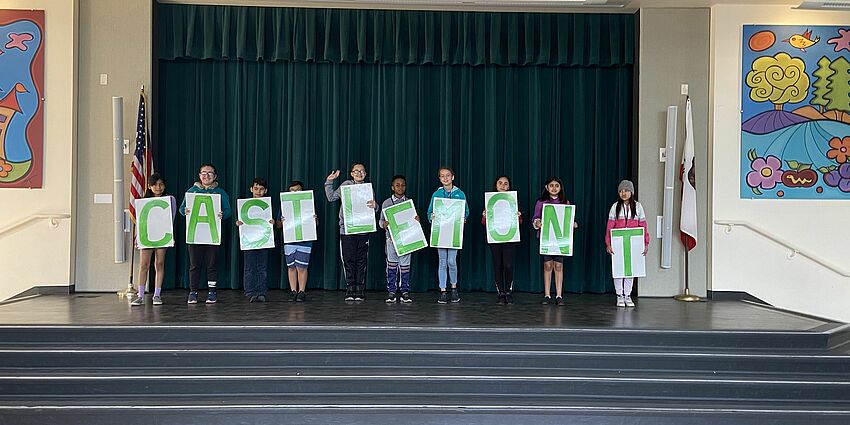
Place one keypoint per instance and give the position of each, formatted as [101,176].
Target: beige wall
[673,51]
[36,253]
[115,39]
[745,261]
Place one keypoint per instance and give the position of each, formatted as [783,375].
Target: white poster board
[154,222]
[627,259]
[357,217]
[256,231]
[298,211]
[501,215]
[556,231]
[203,224]
[448,222]
[405,231]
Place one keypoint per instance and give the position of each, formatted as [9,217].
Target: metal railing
[793,250]
[54,221]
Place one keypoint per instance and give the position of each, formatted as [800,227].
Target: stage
[94,359]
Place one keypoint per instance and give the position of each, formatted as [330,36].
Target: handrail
[54,221]
[730,224]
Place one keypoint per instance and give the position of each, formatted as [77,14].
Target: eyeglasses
[358,171]
[206,173]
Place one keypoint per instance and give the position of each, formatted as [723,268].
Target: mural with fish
[795,112]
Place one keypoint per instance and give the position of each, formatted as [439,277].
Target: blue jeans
[256,272]
[448,260]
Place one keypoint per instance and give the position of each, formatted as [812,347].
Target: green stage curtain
[295,120]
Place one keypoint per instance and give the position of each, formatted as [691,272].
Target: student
[255,269]
[297,256]
[398,267]
[552,194]
[354,248]
[503,253]
[447,257]
[156,188]
[626,212]
[204,256]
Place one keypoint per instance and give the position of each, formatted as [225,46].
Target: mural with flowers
[795,112]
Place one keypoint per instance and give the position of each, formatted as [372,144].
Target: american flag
[142,165]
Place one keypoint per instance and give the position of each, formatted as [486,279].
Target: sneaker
[509,299]
[193,298]
[253,299]
[546,300]
[444,298]
[405,298]
[629,302]
[349,296]
[261,298]
[455,296]
[559,301]
[138,301]
[301,297]
[359,296]
[391,298]
[293,295]
[501,299]
[157,300]
[621,301]
[211,297]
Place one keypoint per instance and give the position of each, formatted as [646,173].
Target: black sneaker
[253,299]
[292,295]
[509,299]
[405,298]
[349,296]
[261,298]
[546,300]
[391,298]
[301,297]
[455,296]
[559,301]
[444,298]
[501,299]
[360,296]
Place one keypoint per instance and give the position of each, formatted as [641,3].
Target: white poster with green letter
[154,222]
[203,225]
[628,259]
[298,211]
[447,224]
[556,231]
[256,231]
[501,215]
[405,231]
[357,217]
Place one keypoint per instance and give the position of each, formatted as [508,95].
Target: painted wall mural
[795,112]
[21,98]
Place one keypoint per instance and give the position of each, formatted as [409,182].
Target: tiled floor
[474,310]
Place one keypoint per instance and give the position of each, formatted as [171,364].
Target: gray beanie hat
[626,185]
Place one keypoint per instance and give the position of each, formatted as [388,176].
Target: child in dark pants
[255,270]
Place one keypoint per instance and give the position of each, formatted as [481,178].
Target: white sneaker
[621,301]
[629,302]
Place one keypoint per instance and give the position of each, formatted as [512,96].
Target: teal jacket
[455,193]
[199,188]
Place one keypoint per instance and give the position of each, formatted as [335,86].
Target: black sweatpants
[503,265]
[355,252]
[202,256]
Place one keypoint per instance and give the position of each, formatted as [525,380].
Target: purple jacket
[538,209]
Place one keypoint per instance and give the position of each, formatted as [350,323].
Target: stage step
[321,374]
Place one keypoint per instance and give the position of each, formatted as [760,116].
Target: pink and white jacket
[625,220]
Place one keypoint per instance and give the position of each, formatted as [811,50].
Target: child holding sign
[297,256]
[503,253]
[255,269]
[552,194]
[447,256]
[204,256]
[627,212]
[398,267]
[355,247]
[156,188]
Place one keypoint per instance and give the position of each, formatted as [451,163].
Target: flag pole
[130,291]
[689,232]
[687,296]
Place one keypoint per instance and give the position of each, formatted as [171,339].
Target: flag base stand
[687,297]
[129,292]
